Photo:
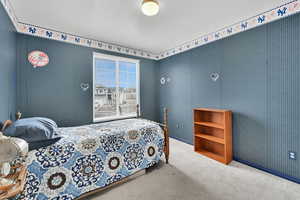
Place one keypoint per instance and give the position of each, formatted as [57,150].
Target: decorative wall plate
[214,76]
[38,59]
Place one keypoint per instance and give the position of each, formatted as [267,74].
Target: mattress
[91,157]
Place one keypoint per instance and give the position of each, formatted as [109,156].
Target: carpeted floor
[190,176]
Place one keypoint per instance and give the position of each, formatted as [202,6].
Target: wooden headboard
[6,124]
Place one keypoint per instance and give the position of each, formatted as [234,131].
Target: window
[116,87]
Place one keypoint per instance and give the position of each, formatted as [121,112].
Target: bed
[93,157]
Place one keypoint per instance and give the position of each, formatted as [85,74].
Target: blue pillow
[37,131]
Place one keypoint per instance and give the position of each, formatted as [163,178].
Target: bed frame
[6,124]
[165,128]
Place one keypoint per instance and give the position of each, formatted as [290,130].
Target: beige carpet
[190,176]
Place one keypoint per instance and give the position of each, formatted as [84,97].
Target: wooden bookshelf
[213,134]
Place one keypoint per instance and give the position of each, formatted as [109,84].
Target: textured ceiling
[122,22]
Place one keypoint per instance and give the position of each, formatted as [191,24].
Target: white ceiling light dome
[150,7]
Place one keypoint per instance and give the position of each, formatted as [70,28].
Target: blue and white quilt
[90,157]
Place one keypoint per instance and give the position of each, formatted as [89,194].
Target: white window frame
[117,59]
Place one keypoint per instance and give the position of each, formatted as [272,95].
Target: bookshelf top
[211,110]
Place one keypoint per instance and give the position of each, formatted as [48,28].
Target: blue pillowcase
[37,131]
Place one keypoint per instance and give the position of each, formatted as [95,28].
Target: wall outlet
[292,155]
[179,126]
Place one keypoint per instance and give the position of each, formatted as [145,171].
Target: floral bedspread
[91,157]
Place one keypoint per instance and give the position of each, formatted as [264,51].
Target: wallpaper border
[274,14]
[37,31]
[33,30]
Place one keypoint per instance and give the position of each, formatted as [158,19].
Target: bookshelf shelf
[210,124]
[211,138]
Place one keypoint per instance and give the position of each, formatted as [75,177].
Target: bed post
[137,111]
[166,134]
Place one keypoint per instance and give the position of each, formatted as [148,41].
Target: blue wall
[54,91]
[7,67]
[259,81]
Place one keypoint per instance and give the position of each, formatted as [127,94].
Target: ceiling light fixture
[150,7]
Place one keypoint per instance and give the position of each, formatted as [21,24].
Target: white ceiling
[122,22]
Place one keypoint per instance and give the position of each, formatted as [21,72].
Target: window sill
[106,119]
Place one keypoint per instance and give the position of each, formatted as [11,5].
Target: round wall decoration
[38,59]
